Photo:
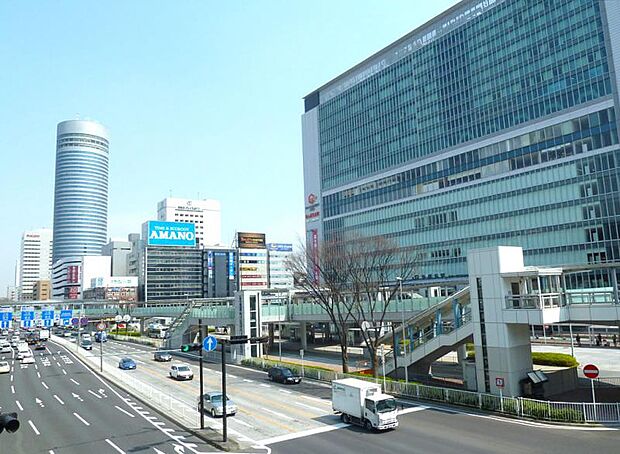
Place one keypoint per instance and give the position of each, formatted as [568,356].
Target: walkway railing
[521,407]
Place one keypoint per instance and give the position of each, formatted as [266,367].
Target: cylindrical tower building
[81,189]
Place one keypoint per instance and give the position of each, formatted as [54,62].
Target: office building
[42,290]
[120,252]
[35,260]
[219,272]
[71,276]
[113,288]
[494,123]
[81,189]
[204,214]
[279,275]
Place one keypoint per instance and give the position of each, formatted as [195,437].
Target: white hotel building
[205,214]
[35,261]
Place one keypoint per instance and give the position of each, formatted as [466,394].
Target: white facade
[72,275]
[205,214]
[279,275]
[35,260]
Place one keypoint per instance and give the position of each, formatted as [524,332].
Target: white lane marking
[38,375]
[243,423]
[279,415]
[247,380]
[11,377]
[266,386]
[12,389]
[285,391]
[232,376]
[114,446]
[44,385]
[125,411]
[159,423]
[64,372]
[51,452]
[58,399]
[404,411]
[316,399]
[36,431]
[320,410]
[304,433]
[57,363]
[19,405]
[95,394]
[74,382]
[36,367]
[86,423]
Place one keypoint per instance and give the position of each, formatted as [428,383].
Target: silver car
[212,402]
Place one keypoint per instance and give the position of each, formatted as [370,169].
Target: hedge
[546,359]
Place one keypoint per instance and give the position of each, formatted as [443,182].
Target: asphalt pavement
[64,408]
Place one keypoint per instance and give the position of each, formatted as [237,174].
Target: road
[64,408]
[266,409]
[445,431]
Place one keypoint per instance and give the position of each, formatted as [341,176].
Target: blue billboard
[160,233]
[282,247]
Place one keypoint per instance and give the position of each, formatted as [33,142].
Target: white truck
[361,402]
[44,334]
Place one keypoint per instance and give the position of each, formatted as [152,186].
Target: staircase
[179,326]
[432,334]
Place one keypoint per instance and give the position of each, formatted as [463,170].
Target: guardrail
[520,407]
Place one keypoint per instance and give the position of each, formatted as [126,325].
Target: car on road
[40,346]
[181,372]
[162,356]
[24,354]
[4,367]
[101,336]
[5,349]
[67,333]
[126,364]
[87,344]
[212,404]
[283,375]
[28,360]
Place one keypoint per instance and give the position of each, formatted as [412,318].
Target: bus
[158,332]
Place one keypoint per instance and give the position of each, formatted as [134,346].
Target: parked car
[4,367]
[212,404]
[162,356]
[181,372]
[127,364]
[283,375]
[87,344]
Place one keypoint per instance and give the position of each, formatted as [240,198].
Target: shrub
[554,359]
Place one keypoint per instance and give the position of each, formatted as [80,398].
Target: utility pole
[402,317]
[202,410]
[224,398]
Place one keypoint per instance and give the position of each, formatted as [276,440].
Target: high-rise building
[494,123]
[71,276]
[35,260]
[120,252]
[219,272]
[42,290]
[81,189]
[205,214]
[279,275]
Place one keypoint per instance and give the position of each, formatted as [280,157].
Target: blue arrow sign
[209,343]
[5,316]
[27,316]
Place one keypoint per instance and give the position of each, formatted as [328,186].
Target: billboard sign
[231,266]
[280,247]
[73,274]
[6,316]
[250,240]
[160,233]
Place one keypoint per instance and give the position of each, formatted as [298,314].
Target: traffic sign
[101,326]
[84,321]
[6,316]
[118,318]
[66,314]
[126,317]
[75,321]
[590,371]
[27,315]
[209,343]
[47,315]
[499,382]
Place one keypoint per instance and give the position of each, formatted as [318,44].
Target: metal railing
[571,412]
[534,301]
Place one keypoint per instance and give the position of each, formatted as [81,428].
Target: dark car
[40,346]
[127,364]
[283,375]
[162,356]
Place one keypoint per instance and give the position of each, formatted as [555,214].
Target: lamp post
[402,319]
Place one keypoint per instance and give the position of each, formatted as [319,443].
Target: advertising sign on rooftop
[250,240]
[160,233]
[280,247]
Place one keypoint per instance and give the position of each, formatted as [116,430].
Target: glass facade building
[81,189]
[494,123]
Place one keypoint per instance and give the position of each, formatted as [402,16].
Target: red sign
[590,371]
[499,382]
[315,254]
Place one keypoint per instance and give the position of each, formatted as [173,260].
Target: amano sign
[161,233]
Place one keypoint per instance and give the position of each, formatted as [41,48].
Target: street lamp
[402,319]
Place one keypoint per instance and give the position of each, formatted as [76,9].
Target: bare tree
[324,276]
[374,266]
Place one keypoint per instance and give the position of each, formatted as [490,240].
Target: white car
[181,372]
[28,360]
[24,354]
[4,367]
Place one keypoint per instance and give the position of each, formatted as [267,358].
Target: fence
[573,412]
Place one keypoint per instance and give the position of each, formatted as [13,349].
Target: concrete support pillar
[303,336]
[461,354]
[271,334]
[142,320]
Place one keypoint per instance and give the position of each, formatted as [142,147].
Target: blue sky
[201,98]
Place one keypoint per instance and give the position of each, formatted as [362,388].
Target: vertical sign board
[231,266]
[315,255]
[27,316]
[47,315]
[65,316]
[6,316]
